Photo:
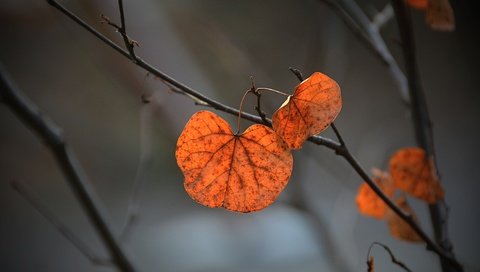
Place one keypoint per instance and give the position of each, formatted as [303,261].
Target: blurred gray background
[215,46]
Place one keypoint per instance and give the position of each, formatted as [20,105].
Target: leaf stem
[240,108]
[264,89]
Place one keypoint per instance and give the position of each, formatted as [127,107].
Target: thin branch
[33,200]
[423,129]
[258,107]
[53,138]
[337,133]
[319,140]
[174,84]
[392,256]
[144,163]
[129,43]
[368,32]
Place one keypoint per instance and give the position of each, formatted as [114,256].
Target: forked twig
[129,43]
[258,107]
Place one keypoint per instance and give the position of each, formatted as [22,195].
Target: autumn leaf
[439,15]
[398,227]
[368,202]
[415,174]
[242,173]
[418,4]
[315,103]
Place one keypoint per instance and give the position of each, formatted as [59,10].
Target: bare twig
[53,138]
[122,29]
[319,140]
[423,129]
[392,256]
[368,32]
[258,107]
[174,84]
[31,198]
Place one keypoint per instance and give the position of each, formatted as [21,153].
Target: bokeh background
[94,95]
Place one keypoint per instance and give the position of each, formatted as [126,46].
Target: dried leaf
[415,174]
[315,103]
[399,228]
[368,202]
[241,173]
[440,16]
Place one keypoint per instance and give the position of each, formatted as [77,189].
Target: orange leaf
[418,4]
[413,173]
[310,110]
[439,15]
[368,202]
[399,228]
[241,173]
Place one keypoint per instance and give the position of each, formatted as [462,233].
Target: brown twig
[423,129]
[122,29]
[53,138]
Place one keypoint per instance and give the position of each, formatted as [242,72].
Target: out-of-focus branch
[144,163]
[31,198]
[423,129]
[368,32]
[52,137]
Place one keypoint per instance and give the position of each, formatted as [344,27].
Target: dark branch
[423,129]
[31,198]
[337,133]
[52,136]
